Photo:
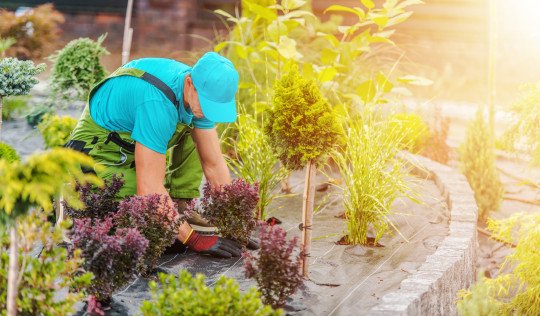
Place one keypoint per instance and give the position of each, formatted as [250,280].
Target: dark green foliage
[43,277]
[188,295]
[77,68]
[478,165]
[8,153]
[302,125]
[37,114]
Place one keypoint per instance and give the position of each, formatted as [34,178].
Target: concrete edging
[432,289]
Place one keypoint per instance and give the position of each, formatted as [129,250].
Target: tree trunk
[307,215]
[1,108]
[12,272]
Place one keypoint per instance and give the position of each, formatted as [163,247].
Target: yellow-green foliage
[43,277]
[526,125]
[372,178]
[255,161]
[517,292]
[40,178]
[478,165]
[302,125]
[478,300]
[8,153]
[56,129]
[412,129]
[188,295]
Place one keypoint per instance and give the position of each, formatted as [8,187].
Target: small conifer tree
[478,165]
[302,128]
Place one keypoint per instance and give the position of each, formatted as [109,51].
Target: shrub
[230,208]
[35,31]
[5,44]
[187,295]
[99,202]
[373,178]
[13,106]
[112,256]
[411,129]
[77,68]
[276,268]
[256,166]
[436,147]
[37,113]
[55,129]
[43,276]
[156,218]
[18,76]
[478,165]
[302,125]
[8,153]
[516,292]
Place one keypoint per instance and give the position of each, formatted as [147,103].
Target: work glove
[213,245]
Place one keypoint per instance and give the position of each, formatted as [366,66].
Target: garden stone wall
[432,289]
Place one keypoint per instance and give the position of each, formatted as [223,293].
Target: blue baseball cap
[216,82]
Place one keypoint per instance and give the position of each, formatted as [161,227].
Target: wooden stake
[12,271]
[128,33]
[307,215]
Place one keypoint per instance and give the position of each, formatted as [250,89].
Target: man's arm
[150,171]
[214,166]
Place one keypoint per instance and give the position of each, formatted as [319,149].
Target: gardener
[154,105]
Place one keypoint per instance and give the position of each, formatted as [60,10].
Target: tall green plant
[255,161]
[17,77]
[516,292]
[478,165]
[77,68]
[373,177]
[36,182]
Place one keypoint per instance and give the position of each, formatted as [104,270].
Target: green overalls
[116,150]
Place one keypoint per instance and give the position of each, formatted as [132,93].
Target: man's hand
[213,245]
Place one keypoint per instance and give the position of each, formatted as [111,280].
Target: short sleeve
[154,125]
[203,123]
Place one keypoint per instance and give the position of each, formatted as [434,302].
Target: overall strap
[151,79]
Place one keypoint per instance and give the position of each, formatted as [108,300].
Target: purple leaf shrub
[276,269]
[111,255]
[98,202]
[230,208]
[155,216]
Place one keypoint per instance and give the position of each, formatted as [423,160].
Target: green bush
[14,106]
[302,126]
[516,292]
[37,113]
[478,165]
[412,130]
[43,277]
[77,68]
[188,295]
[18,76]
[36,31]
[8,153]
[55,129]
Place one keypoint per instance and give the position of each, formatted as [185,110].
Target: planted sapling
[275,269]
[230,208]
[156,218]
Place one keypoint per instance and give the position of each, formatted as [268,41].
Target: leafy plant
[478,165]
[13,106]
[373,178]
[98,203]
[8,153]
[42,277]
[55,129]
[111,255]
[230,208]
[436,147]
[256,166]
[525,128]
[35,31]
[77,68]
[188,295]
[156,218]
[302,126]
[411,129]
[478,300]
[516,292]
[38,113]
[5,44]
[276,268]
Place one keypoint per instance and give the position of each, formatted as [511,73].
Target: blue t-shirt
[130,104]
